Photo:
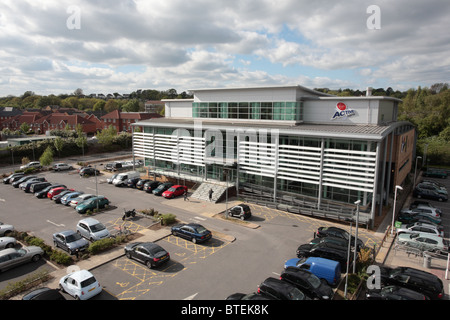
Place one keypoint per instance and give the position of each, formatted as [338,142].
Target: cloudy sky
[107,46]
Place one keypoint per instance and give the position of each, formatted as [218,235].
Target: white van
[122,178]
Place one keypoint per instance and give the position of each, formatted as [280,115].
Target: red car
[53,192]
[174,191]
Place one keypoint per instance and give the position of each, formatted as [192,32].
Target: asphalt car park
[195,271]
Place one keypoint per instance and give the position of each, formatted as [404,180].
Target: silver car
[92,229]
[424,242]
[10,258]
[418,227]
[70,241]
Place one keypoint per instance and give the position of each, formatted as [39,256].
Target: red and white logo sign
[342,111]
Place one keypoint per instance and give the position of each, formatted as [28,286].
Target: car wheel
[10,245]
[440,199]
[148,264]
[242,217]
[419,196]
[128,255]
[194,240]
[55,244]
[61,288]
[36,258]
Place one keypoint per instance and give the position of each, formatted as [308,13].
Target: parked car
[418,227]
[433,187]
[417,217]
[70,241]
[436,184]
[55,191]
[16,183]
[158,191]
[307,283]
[149,186]
[35,187]
[149,253]
[424,204]
[65,200]
[241,211]
[81,285]
[44,294]
[327,251]
[10,258]
[414,279]
[424,241]
[82,197]
[131,183]
[26,186]
[32,164]
[43,193]
[192,231]
[174,191]
[325,269]
[92,203]
[281,290]
[92,229]
[141,182]
[57,198]
[394,293]
[121,179]
[89,171]
[435,173]
[429,194]
[7,242]
[338,241]
[5,229]
[11,176]
[61,166]
[338,233]
[424,210]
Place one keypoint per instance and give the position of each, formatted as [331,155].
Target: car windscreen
[97,227]
[201,229]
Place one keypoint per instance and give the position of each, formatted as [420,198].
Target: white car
[418,227]
[32,164]
[80,199]
[81,285]
[7,242]
[61,166]
[5,229]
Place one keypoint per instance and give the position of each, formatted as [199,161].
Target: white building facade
[286,141]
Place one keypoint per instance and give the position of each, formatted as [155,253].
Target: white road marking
[191,297]
[58,225]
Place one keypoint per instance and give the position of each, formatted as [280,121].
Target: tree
[131,106]
[111,105]
[59,145]
[81,140]
[106,136]
[24,127]
[46,157]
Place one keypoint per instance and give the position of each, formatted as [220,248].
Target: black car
[337,241]
[414,279]
[394,293]
[89,171]
[15,178]
[325,250]
[131,183]
[307,283]
[44,294]
[161,188]
[16,183]
[429,194]
[43,193]
[25,186]
[14,175]
[249,296]
[241,211]
[149,186]
[338,233]
[39,186]
[141,182]
[281,290]
[149,253]
[192,231]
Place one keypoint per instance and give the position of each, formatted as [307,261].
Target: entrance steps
[202,192]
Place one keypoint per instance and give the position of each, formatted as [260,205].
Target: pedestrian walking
[210,194]
[186,196]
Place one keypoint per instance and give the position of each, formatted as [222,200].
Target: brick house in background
[122,121]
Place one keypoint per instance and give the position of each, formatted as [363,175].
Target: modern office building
[286,141]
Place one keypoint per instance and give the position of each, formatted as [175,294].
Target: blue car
[65,200]
[192,231]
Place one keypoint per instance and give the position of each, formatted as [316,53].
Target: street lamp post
[356,235]
[415,169]
[393,211]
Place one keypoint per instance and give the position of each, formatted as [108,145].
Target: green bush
[61,258]
[167,218]
[101,245]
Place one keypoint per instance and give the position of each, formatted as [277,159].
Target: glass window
[266,110]
[243,110]
[212,110]
[232,110]
[278,110]
[255,110]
